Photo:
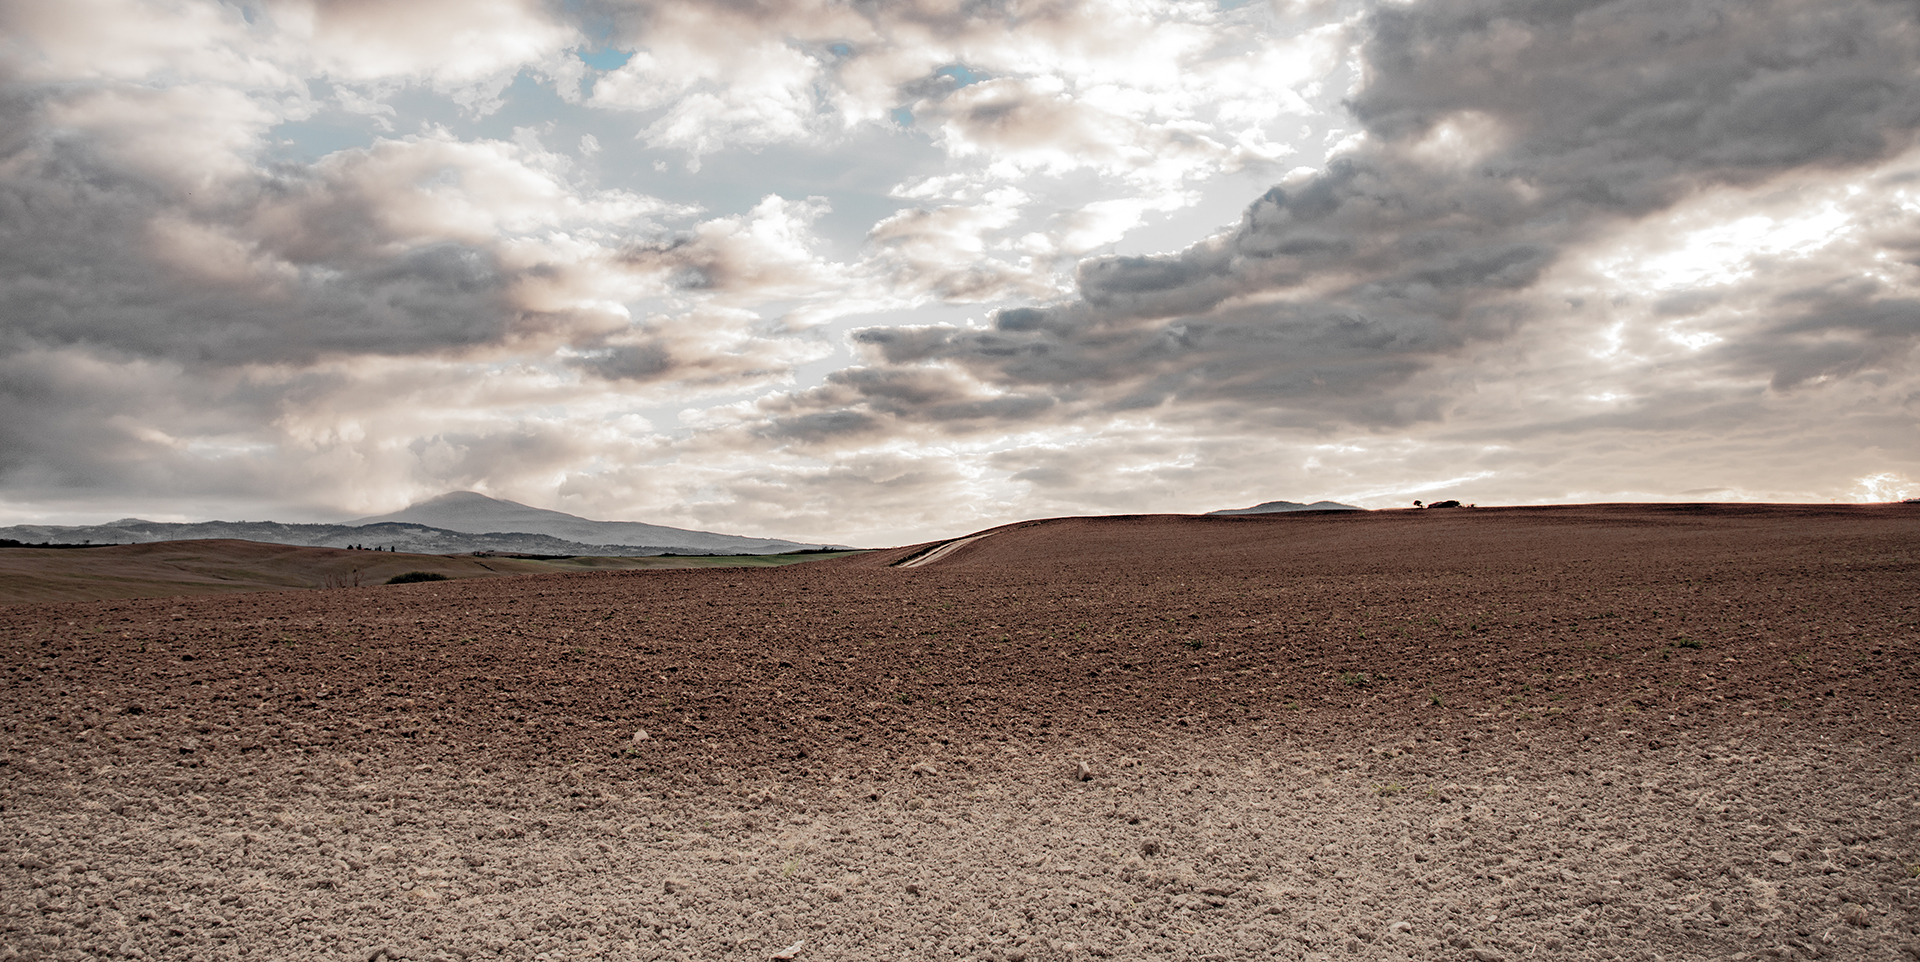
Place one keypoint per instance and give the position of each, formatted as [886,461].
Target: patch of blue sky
[855,173]
[854,170]
[962,75]
[529,101]
[605,58]
[305,141]
[325,131]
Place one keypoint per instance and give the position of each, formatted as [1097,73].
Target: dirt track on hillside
[1589,733]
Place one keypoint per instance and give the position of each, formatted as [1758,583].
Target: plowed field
[1593,732]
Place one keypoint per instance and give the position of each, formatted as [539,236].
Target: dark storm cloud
[1501,134]
[424,301]
[183,313]
[86,257]
[859,402]
[1398,275]
[65,429]
[1836,331]
[629,362]
[56,426]
[1694,89]
[824,426]
[1319,359]
[161,290]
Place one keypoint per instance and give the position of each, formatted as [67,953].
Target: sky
[882,271]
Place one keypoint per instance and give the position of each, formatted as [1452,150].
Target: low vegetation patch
[416,576]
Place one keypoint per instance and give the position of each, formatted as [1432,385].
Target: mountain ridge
[1278,507]
[471,512]
[611,538]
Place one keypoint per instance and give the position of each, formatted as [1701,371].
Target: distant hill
[1276,507]
[473,513]
[474,522]
[35,576]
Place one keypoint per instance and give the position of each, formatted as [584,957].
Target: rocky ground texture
[1606,732]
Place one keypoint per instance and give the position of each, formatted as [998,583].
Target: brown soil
[1585,733]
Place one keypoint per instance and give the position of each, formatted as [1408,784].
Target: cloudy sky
[878,271]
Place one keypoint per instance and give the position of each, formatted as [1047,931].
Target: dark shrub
[413,576]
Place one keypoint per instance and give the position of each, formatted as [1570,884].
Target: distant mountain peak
[471,499]
[471,512]
[469,507]
[456,497]
[458,521]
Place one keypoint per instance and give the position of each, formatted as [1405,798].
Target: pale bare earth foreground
[1471,736]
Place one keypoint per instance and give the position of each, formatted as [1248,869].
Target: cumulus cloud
[182,306]
[1607,248]
[711,93]
[957,252]
[418,244]
[769,252]
[1499,139]
[454,42]
[131,40]
[1144,91]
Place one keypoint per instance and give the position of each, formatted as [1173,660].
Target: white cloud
[433,187]
[761,98]
[1623,254]
[950,252]
[1887,486]
[1694,248]
[374,108]
[1104,221]
[194,137]
[456,43]
[105,40]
